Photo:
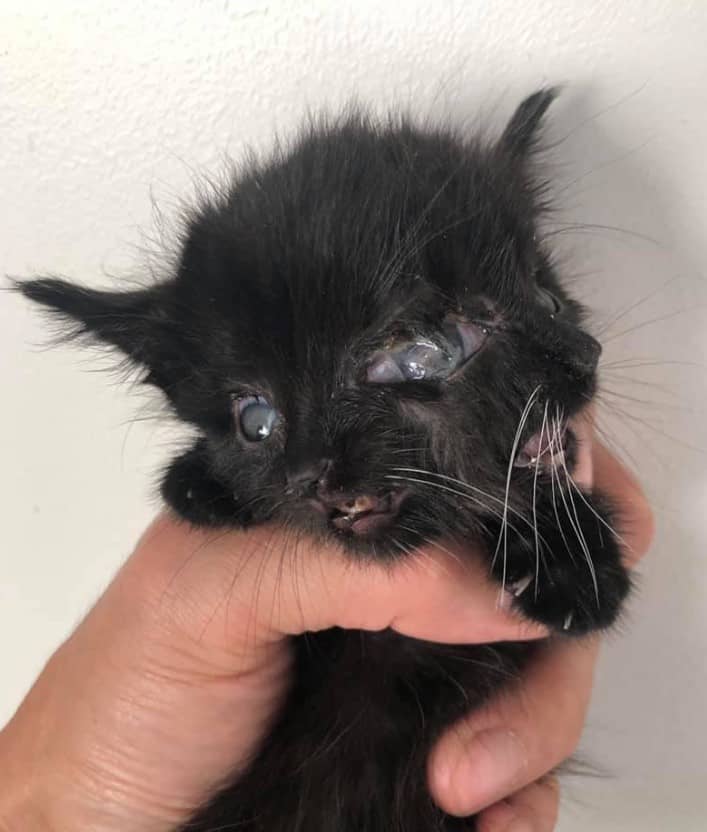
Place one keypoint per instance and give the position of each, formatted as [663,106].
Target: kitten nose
[586,356]
[304,474]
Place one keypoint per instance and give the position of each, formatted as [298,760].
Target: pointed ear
[522,131]
[133,322]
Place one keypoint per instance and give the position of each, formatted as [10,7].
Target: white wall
[103,105]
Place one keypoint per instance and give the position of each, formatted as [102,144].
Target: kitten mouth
[363,514]
[546,448]
[568,445]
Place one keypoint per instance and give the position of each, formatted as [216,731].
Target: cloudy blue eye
[427,358]
[424,359]
[257,418]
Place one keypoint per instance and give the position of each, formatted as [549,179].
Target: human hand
[166,688]
[498,758]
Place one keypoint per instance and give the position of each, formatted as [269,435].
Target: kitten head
[367,330]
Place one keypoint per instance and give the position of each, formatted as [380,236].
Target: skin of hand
[163,692]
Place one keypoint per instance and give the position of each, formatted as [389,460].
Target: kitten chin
[372,340]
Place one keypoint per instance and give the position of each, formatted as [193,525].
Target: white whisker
[553,477]
[598,516]
[449,490]
[535,494]
[472,488]
[576,525]
[514,449]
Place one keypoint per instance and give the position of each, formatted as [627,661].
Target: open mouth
[362,514]
[547,447]
[567,443]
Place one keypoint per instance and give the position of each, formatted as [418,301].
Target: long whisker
[409,450]
[463,484]
[576,525]
[635,305]
[650,426]
[636,363]
[428,541]
[535,505]
[462,494]
[446,488]
[606,391]
[598,516]
[623,454]
[642,324]
[514,449]
[553,477]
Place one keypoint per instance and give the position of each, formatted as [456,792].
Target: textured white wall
[104,105]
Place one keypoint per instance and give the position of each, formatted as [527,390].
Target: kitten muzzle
[360,514]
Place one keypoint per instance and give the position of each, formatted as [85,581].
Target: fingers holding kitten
[509,746]
[597,468]
[532,809]
[262,585]
[519,737]
[635,517]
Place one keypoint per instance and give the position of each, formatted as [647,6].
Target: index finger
[634,516]
[260,584]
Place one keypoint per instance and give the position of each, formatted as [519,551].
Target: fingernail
[489,767]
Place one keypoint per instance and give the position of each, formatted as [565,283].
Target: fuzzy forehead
[355,227]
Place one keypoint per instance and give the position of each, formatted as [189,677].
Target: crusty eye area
[427,357]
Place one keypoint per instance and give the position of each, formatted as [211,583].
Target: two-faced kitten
[373,342]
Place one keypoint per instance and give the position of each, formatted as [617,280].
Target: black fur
[356,238]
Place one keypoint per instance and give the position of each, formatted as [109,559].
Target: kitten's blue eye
[425,358]
[547,300]
[257,418]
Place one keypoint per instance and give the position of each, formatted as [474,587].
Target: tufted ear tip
[128,321]
[522,131]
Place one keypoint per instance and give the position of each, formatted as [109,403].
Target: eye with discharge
[427,357]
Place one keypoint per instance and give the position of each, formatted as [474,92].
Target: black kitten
[374,345]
